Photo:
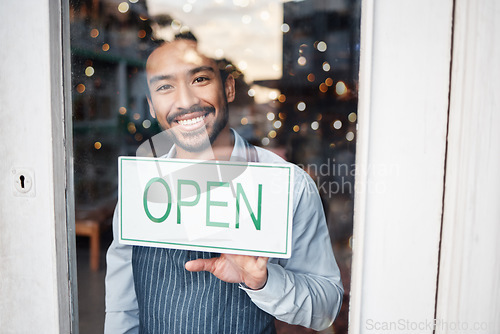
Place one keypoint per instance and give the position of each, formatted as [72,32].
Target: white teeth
[191,121]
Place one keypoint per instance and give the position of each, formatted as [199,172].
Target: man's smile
[191,121]
[192,118]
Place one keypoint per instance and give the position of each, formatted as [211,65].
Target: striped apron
[173,300]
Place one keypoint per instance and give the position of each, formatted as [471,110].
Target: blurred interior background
[296,66]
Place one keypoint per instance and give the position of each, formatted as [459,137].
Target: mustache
[193,109]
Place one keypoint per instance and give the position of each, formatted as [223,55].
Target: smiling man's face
[187,95]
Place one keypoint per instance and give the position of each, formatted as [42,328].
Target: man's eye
[201,79]
[163,87]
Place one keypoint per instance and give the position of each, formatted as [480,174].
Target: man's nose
[186,97]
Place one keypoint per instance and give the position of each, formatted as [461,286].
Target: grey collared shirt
[305,289]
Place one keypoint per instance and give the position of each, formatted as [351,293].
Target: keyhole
[22,181]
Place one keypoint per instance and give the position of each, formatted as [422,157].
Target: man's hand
[250,270]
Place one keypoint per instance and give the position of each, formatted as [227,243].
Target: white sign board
[224,207]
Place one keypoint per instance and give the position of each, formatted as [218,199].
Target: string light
[340,88]
[80,88]
[301,106]
[146,124]
[123,7]
[352,117]
[321,46]
[131,128]
[89,71]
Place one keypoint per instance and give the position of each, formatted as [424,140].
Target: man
[155,290]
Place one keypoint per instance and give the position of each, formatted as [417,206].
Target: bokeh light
[349,136]
[80,88]
[146,124]
[301,106]
[340,88]
[352,117]
[123,7]
[321,46]
[89,71]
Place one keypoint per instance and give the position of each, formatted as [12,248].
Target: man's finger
[201,265]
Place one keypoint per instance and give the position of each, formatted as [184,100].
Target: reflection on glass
[295,63]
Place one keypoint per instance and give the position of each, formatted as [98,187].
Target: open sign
[224,207]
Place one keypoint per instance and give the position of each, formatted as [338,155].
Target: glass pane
[296,70]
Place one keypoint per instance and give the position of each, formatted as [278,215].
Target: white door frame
[426,231]
[400,156]
[37,253]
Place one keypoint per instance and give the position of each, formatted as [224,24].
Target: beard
[201,139]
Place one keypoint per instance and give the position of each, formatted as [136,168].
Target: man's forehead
[176,53]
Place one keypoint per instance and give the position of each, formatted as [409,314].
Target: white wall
[469,276]
[404,84]
[34,287]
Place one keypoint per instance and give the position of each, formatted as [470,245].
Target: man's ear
[229,87]
[151,109]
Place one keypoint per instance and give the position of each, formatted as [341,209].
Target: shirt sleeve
[306,288]
[122,312]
